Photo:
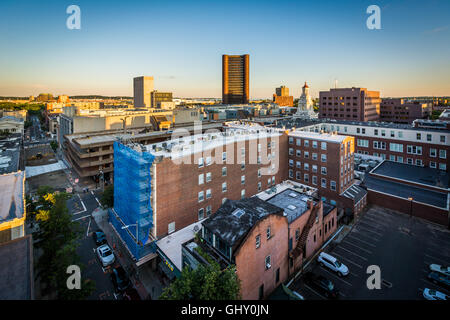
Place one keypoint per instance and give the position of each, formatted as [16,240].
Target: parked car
[439,279]
[321,284]
[105,255]
[431,294]
[99,237]
[442,269]
[131,294]
[333,264]
[120,279]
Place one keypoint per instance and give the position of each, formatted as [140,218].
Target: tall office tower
[282,97]
[143,86]
[282,91]
[353,104]
[235,79]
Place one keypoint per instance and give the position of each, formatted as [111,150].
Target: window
[314,144]
[171,227]
[379,145]
[291,140]
[306,154]
[291,163]
[323,145]
[243,152]
[428,137]
[259,173]
[418,136]
[396,147]
[224,156]
[258,241]
[383,133]
[200,179]
[314,168]
[418,162]
[200,196]
[259,160]
[297,234]
[224,187]
[333,185]
[392,157]
[224,171]
[291,173]
[201,214]
[399,159]
[400,134]
[291,151]
[306,166]
[323,170]
[414,149]
[323,183]
[442,139]
[259,147]
[298,142]
[273,180]
[268,233]
[298,164]
[375,132]
[259,186]
[200,162]
[314,180]
[306,177]
[433,152]
[208,161]
[208,177]
[298,153]
[314,156]
[442,166]
[443,154]
[208,193]
[267,262]
[392,134]
[323,157]
[363,143]
[243,165]
[306,143]
[208,210]
[409,161]
[298,175]
[242,179]
[242,193]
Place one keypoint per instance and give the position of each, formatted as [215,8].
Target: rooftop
[16,269]
[329,137]
[422,175]
[355,192]
[10,153]
[294,203]
[12,196]
[235,218]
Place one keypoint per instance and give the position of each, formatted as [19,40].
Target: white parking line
[346,259]
[92,192]
[335,276]
[434,258]
[365,229]
[365,242]
[367,225]
[375,221]
[372,238]
[82,217]
[87,231]
[311,289]
[368,251]
[365,259]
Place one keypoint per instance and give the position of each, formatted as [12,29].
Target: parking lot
[403,248]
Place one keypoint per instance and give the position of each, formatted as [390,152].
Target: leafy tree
[57,240]
[207,282]
[54,145]
[107,198]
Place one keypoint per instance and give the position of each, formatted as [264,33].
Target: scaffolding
[132,216]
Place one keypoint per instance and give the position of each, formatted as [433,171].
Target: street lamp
[411,202]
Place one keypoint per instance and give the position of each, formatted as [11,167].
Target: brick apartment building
[400,111]
[265,240]
[355,104]
[326,161]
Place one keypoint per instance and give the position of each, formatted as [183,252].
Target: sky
[180,44]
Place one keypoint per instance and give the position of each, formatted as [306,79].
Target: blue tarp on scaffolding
[132,202]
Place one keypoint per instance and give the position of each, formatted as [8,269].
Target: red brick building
[354,104]
[400,111]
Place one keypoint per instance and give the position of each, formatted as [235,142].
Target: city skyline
[317,43]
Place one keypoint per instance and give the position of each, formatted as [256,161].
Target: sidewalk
[146,281]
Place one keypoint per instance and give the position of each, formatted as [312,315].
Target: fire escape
[300,248]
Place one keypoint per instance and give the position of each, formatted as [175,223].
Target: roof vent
[293,195]
[291,207]
[238,213]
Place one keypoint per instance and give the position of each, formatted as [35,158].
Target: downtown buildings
[235,79]
[282,97]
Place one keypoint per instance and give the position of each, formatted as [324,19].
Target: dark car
[131,294]
[439,279]
[321,284]
[99,237]
[120,279]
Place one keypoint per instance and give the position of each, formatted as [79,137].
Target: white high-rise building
[305,108]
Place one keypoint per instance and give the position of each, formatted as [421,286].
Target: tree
[54,145]
[107,198]
[207,282]
[57,240]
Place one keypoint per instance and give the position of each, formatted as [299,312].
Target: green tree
[107,198]
[54,145]
[207,282]
[57,239]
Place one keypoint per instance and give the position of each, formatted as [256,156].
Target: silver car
[105,255]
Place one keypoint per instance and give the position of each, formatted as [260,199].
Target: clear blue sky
[180,43]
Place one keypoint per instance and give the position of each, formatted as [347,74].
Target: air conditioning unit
[268,265]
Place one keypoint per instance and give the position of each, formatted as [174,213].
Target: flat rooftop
[423,175]
[329,137]
[405,191]
[16,269]
[294,203]
[12,196]
[10,153]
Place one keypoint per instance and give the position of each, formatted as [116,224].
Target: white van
[332,263]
